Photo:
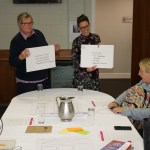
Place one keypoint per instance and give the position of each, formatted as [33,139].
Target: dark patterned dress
[81,77]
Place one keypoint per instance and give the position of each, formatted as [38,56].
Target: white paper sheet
[41,58]
[65,144]
[101,56]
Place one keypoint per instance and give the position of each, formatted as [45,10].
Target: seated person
[135,112]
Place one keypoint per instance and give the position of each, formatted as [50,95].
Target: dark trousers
[27,87]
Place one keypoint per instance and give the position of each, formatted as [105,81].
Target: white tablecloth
[23,107]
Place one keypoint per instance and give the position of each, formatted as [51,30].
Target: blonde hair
[23,15]
[146,64]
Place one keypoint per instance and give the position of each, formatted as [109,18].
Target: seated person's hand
[117,109]
[112,105]
[90,69]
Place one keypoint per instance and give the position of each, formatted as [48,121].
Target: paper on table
[7,144]
[74,129]
[39,129]
[16,120]
[84,132]
[41,58]
[50,108]
[65,143]
[101,56]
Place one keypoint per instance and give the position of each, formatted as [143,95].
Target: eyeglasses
[84,28]
[27,23]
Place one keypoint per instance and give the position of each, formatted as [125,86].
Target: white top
[24,107]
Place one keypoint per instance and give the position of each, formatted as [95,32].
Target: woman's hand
[112,105]
[24,54]
[100,43]
[90,69]
[117,109]
[57,48]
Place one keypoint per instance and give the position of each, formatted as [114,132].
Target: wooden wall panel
[7,75]
[140,36]
[7,79]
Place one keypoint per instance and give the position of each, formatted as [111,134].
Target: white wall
[112,30]
[52,19]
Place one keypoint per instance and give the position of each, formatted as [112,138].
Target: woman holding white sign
[26,38]
[87,77]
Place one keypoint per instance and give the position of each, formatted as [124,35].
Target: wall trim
[114,75]
[92,22]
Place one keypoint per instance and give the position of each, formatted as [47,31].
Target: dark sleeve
[14,54]
[76,54]
[97,39]
[41,40]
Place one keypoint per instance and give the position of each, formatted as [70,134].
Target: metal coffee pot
[65,108]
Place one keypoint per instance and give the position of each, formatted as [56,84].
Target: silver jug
[65,108]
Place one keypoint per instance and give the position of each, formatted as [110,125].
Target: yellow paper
[74,129]
[64,131]
[83,132]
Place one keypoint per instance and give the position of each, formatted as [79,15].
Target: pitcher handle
[57,102]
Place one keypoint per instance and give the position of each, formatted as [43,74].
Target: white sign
[101,56]
[41,58]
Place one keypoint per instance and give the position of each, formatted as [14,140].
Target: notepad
[74,129]
[7,144]
[39,129]
[83,132]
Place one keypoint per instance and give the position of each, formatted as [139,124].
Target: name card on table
[101,56]
[39,129]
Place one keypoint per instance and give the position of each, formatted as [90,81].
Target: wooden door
[140,36]
[7,79]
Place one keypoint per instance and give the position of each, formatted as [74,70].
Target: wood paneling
[141,36]
[7,75]
[64,54]
[7,79]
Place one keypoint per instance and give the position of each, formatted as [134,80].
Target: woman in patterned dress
[88,77]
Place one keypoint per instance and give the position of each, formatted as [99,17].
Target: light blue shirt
[135,113]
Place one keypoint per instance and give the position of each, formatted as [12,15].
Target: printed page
[41,58]
[101,56]
[65,144]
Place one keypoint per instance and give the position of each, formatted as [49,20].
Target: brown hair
[81,19]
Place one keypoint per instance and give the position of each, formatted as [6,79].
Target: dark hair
[81,19]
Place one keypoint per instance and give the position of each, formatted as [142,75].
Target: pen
[101,135]
[93,104]
[31,120]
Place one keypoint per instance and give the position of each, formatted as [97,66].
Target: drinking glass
[40,90]
[41,113]
[80,88]
[17,148]
[91,116]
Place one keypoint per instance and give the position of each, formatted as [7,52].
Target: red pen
[101,135]
[93,104]
[31,120]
